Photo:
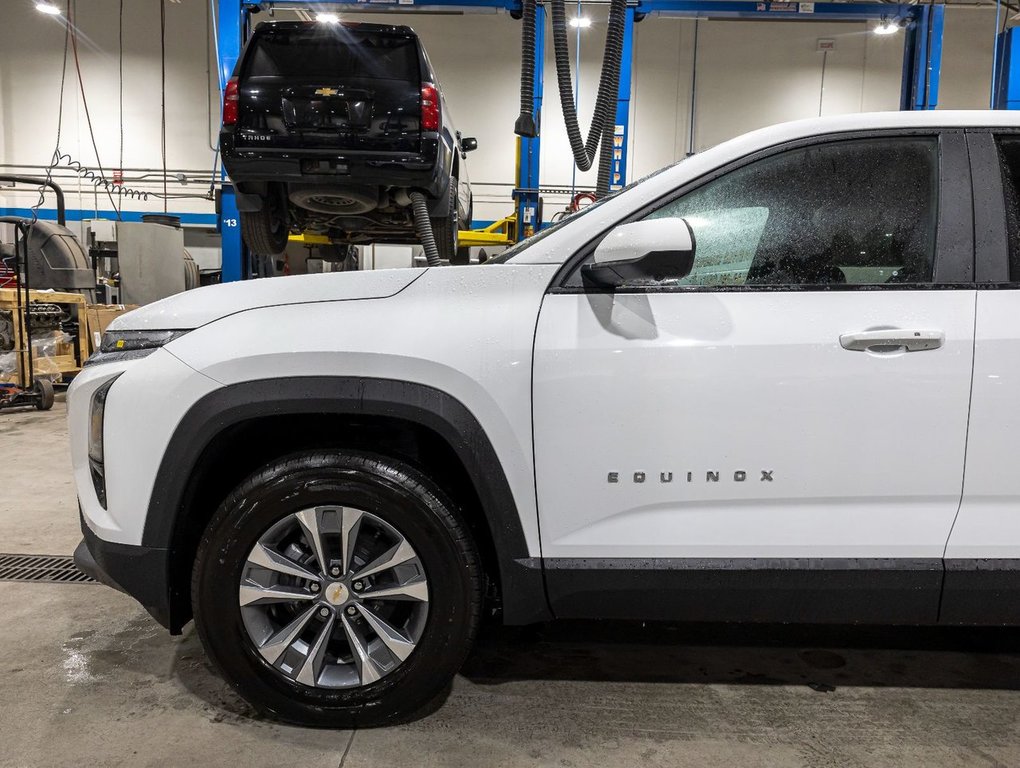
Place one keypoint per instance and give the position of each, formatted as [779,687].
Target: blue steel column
[922,58]
[230,33]
[1007,70]
[621,128]
[528,149]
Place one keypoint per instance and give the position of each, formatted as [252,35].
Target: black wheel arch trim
[524,599]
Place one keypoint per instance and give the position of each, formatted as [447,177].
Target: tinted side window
[1009,160]
[860,212]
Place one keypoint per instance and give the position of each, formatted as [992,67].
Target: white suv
[776,381]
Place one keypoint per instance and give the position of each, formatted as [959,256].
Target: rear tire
[445,230]
[391,496]
[265,231]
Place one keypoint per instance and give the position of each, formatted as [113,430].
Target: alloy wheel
[333,597]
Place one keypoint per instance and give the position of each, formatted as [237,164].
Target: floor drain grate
[50,568]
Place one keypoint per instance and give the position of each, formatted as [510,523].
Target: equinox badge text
[711,476]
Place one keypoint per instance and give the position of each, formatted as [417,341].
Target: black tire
[402,497]
[445,230]
[44,388]
[265,231]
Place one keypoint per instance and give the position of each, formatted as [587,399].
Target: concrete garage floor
[87,678]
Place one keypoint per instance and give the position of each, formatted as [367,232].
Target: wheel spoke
[309,520]
[398,643]
[264,557]
[273,648]
[412,590]
[397,555]
[350,527]
[312,665]
[251,593]
[368,672]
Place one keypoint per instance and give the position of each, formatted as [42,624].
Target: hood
[192,309]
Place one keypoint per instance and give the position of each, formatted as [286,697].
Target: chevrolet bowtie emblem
[326,91]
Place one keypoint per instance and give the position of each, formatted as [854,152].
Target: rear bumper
[428,170]
[138,571]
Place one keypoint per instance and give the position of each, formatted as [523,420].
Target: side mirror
[469,144]
[655,249]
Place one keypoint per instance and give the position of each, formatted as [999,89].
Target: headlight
[97,415]
[128,345]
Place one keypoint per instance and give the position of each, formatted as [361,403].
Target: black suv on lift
[328,127]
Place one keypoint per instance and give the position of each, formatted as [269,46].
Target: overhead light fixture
[887,27]
[580,22]
[327,18]
[49,8]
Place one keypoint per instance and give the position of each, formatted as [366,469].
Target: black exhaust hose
[423,228]
[525,125]
[605,171]
[604,114]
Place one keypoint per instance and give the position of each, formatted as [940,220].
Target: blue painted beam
[1007,70]
[231,34]
[418,5]
[922,58]
[529,149]
[84,214]
[621,129]
[746,9]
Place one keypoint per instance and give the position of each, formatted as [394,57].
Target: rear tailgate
[330,87]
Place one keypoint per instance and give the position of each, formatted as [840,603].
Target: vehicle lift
[922,57]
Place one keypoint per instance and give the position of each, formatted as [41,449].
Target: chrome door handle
[892,340]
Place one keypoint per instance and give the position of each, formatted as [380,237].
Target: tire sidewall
[395,495]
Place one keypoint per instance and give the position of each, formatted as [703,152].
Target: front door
[793,412]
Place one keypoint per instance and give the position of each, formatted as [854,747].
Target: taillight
[429,107]
[230,99]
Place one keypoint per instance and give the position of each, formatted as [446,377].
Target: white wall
[748,74]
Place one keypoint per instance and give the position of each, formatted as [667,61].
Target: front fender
[521,576]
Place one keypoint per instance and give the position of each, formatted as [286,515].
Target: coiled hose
[604,114]
[525,125]
[423,228]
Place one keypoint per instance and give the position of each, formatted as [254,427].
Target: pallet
[69,357]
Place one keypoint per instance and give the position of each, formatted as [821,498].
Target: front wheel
[337,589]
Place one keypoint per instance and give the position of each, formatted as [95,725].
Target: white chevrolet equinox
[777,381]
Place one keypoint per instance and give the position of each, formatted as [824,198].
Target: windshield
[519,247]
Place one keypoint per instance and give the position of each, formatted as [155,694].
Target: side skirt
[823,590]
[981,592]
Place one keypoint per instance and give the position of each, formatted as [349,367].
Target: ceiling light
[327,18]
[581,22]
[887,28]
[49,8]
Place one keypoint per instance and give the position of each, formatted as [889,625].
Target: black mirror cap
[656,265]
[469,144]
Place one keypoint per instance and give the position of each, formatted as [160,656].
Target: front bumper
[136,570]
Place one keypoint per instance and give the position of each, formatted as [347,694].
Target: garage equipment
[141,262]
[29,390]
[54,257]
